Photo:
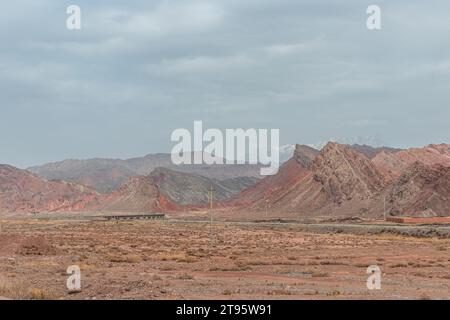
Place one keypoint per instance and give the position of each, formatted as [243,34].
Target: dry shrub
[185,276]
[187,259]
[19,291]
[112,257]
[13,290]
[257,263]
[133,258]
[317,274]
[39,294]
[36,246]
[129,258]
[180,257]
[227,292]
[399,265]
[279,292]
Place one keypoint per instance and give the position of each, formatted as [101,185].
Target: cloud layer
[139,69]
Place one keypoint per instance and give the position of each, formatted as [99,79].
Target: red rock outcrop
[164,190]
[346,174]
[393,164]
[338,179]
[138,194]
[22,191]
[422,190]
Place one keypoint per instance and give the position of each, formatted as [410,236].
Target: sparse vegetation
[158,262]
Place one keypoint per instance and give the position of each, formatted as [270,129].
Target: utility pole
[384,203]
[211,191]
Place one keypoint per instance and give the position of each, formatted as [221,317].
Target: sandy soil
[181,260]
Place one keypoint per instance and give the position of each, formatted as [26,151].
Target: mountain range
[162,190]
[343,180]
[338,180]
[107,175]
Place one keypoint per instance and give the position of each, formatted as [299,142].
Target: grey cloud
[139,69]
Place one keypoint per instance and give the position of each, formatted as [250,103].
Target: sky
[137,70]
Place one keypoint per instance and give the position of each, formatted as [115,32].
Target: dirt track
[178,260]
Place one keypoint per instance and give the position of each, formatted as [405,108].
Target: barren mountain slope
[422,190]
[338,180]
[22,191]
[165,190]
[271,187]
[393,164]
[191,189]
[106,175]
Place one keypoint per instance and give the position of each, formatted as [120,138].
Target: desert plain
[175,259]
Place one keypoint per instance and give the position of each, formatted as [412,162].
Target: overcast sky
[139,69]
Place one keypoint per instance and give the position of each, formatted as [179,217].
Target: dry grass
[279,292]
[152,260]
[20,291]
[318,274]
[178,257]
[185,276]
[399,265]
[120,258]
[13,290]
[39,294]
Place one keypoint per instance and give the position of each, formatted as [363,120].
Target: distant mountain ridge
[107,175]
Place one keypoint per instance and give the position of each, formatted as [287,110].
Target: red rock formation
[163,190]
[346,174]
[22,191]
[422,190]
[139,194]
[267,190]
[337,179]
[393,164]
[342,182]
[336,182]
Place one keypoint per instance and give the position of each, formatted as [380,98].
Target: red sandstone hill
[163,190]
[340,181]
[167,190]
[25,192]
[22,191]
[346,174]
[392,164]
[271,187]
[336,179]
[422,190]
[138,194]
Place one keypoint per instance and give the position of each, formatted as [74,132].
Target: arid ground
[188,260]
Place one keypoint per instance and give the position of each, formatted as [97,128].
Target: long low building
[150,216]
[419,220]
